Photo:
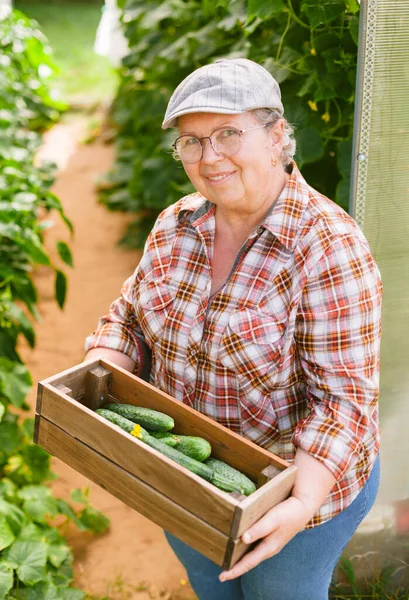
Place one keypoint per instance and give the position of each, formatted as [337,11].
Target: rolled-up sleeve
[119,329]
[338,333]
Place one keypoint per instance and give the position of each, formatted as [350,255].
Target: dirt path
[133,560]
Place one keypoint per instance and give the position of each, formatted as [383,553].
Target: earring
[274,160]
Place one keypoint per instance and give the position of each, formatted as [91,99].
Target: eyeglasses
[225,141]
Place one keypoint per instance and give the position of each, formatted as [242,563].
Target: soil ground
[132,560]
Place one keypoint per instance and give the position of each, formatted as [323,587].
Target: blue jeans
[302,570]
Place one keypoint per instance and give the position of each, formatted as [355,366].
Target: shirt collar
[194,207]
[286,214]
[283,219]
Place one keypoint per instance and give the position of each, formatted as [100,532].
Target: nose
[209,154]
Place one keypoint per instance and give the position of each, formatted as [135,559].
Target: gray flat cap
[227,86]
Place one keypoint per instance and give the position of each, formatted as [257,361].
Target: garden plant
[35,560]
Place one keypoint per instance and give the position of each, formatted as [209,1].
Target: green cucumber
[121,422]
[147,417]
[195,447]
[227,485]
[165,437]
[216,471]
[139,432]
[189,463]
[229,479]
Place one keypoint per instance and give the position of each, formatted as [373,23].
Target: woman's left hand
[275,529]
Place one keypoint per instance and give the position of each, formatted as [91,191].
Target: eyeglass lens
[224,141]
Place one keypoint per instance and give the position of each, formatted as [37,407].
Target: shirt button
[192,352]
[189,389]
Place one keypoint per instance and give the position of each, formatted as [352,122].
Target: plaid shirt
[286,353]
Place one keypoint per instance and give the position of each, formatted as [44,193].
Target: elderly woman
[258,302]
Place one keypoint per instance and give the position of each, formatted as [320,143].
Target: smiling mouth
[218,177]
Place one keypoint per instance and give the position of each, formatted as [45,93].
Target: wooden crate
[205,517]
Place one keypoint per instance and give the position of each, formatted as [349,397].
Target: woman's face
[247,182]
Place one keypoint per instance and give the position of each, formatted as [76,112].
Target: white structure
[380,205]
[110,40]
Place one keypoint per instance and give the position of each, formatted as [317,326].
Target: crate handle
[97,382]
[267,474]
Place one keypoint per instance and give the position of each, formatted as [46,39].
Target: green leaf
[34,492]
[23,323]
[65,253]
[264,9]
[7,345]
[344,157]
[45,590]
[322,12]
[280,69]
[29,558]
[6,579]
[352,6]
[39,508]
[62,576]
[94,520]
[15,381]
[60,287]
[13,515]
[10,437]
[60,580]
[8,489]
[80,495]
[154,16]
[52,535]
[65,509]
[54,202]
[324,91]
[354,29]
[308,84]
[309,145]
[38,462]
[71,594]
[326,40]
[7,537]
[27,428]
[297,112]
[348,569]
[28,240]
[58,553]
[31,532]
[2,409]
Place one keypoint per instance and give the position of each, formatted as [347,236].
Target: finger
[263,527]
[263,550]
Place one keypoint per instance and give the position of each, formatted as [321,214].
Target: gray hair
[270,116]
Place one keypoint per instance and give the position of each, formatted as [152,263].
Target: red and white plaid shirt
[286,353]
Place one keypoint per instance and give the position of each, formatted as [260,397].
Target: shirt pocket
[153,303]
[252,346]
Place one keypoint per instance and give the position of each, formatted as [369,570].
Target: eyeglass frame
[209,137]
